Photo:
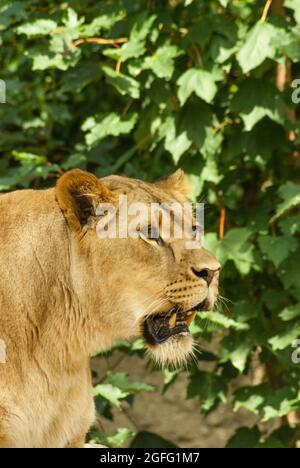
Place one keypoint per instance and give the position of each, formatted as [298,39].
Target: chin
[173,352]
[167,336]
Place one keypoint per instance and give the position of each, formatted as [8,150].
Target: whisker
[224,298]
[157,293]
[220,302]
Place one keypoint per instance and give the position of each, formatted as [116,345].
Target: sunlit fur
[65,293]
[175,352]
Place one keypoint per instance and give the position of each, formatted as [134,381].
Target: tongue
[157,332]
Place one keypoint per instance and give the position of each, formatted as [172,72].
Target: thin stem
[118,66]
[222,223]
[97,40]
[266,10]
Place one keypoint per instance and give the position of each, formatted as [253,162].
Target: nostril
[204,273]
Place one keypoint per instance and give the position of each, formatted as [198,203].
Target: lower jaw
[177,333]
[175,351]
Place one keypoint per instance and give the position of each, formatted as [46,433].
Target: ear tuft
[177,182]
[78,194]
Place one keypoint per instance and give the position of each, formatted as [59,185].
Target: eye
[151,233]
[159,241]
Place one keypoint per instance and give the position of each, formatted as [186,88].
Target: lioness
[65,292]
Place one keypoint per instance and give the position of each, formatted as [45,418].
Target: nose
[205,273]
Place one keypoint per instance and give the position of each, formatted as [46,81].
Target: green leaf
[251,398]
[259,45]
[210,171]
[293,5]
[222,49]
[255,100]
[289,271]
[200,32]
[113,394]
[120,380]
[124,84]
[135,47]
[236,349]
[198,326]
[243,311]
[223,321]
[41,27]
[77,78]
[162,61]
[198,130]
[28,158]
[10,12]
[281,437]
[235,246]
[277,249]
[290,194]
[115,440]
[290,313]
[200,82]
[182,130]
[72,21]
[261,399]
[110,15]
[259,145]
[175,143]
[169,377]
[145,439]
[281,403]
[244,437]
[44,61]
[285,338]
[7,183]
[290,225]
[131,49]
[74,160]
[209,388]
[103,407]
[111,124]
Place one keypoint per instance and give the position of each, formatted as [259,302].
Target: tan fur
[65,293]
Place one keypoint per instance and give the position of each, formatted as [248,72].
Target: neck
[39,306]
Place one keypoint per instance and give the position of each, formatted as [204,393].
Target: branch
[98,40]
[266,10]
[222,223]
[118,66]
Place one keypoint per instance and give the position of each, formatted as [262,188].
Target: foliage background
[145,87]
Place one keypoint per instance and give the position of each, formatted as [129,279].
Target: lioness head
[149,285]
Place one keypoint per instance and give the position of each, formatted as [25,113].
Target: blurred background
[142,88]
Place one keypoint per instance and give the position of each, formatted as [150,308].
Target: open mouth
[158,328]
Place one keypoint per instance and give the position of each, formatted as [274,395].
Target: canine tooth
[190,318]
[189,313]
[172,321]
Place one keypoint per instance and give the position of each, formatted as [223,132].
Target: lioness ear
[78,194]
[177,182]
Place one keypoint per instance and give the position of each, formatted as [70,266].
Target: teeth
[176,321]
[190,317]
[172,321]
